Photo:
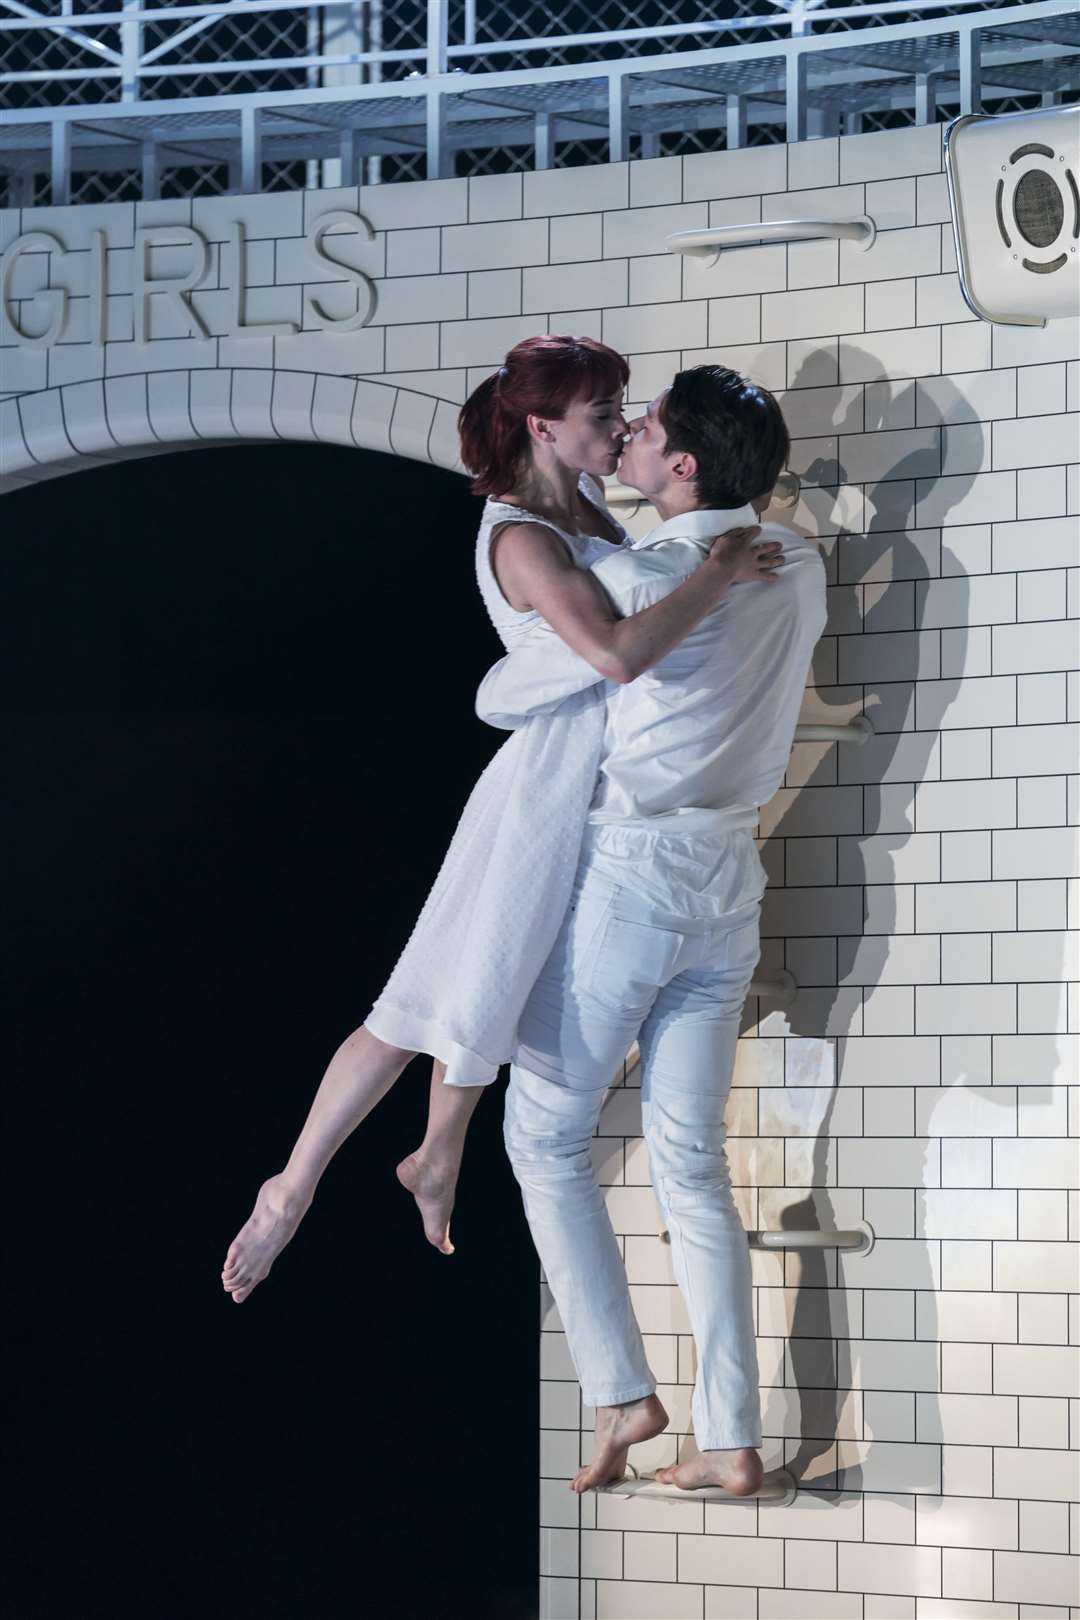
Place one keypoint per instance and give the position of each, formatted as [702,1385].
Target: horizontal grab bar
[782,989]
[857,1240]
[858,731]
[710,243]
[777,1488]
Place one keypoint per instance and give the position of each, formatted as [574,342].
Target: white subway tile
[1049,852]
[966,1111]
[749,172]
[976,498]
[890,304]
[570,287]
[1044,1319]
[966,1420]
[870,1567]
[1034,441]
[966,1573]
[1036,1369]
[1044,1527]
[966,1213]
[953,704]
[575,237]
[955,806]
[1036,1578]
[739,1560]
[893,1263]
[1029,648]
[807,314]
[966,1521]
[1037,1060]
[1040,1476]
[913,251]
[1037,1268]
[966,1317]
[645,327]
[890,154]
[913,352]
[965,1009]
[1047,543]
[965,347]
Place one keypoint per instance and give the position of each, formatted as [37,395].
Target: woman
[538,436]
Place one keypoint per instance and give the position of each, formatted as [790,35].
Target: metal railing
[241,86]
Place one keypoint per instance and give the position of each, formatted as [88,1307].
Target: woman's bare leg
[431,1173]
[359,1074]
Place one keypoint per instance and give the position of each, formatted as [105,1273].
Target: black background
[238,690]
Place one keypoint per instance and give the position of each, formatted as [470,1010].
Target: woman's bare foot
[617,1429]
[433,1186]
[278,1211]
[738,1472]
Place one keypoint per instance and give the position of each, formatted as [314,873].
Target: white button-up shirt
[698,742]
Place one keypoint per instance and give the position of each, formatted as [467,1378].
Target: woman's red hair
[542,376]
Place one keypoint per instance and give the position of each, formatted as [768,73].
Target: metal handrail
[857,732]
[709,244]
[854,1240]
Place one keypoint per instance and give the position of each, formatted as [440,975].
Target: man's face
[644,464]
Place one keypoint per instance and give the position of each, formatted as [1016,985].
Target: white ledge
[709,244]
[858,732]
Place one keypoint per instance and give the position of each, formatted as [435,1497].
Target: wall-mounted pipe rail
[856,1240]
[709,244]
[857,732]
[782,988]
[777,1489]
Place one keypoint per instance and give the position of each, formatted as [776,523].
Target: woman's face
[589,438]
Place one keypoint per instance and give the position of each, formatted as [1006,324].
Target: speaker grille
[1039,208]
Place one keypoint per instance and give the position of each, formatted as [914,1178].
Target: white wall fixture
[857,1240]
[856,733]
[1014,191]
[782,989]
[709,244]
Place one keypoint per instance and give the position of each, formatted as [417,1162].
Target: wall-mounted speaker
[1014,189]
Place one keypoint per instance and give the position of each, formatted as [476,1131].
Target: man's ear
[684,467]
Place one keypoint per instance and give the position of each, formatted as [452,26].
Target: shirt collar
[701,526]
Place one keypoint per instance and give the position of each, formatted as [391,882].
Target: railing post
[970,42]
[470,22]
[130,53]
[151,179]
[250,149]
[437,156]
[618,116]
[736,122]
[61,162]
[543,140]
[437,37]
[796,94]
[925,87]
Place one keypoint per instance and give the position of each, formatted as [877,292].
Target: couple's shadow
[832,1114]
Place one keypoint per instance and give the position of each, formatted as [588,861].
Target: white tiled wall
[922,889]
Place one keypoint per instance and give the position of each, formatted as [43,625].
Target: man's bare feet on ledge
[739,1472]
[278,1211]
[617,1429]
[433,1186]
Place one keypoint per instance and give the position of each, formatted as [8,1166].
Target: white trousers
[622,970]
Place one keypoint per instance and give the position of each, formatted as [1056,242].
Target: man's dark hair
[733,428]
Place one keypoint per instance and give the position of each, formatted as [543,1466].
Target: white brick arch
[83,424]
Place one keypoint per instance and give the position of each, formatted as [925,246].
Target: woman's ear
[539,429]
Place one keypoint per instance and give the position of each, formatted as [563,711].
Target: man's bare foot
[617,1429]
[738,1472]
[278,1211]
[433,1186]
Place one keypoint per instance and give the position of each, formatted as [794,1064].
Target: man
[661,937]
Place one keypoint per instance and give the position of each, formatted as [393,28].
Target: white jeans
[621,970]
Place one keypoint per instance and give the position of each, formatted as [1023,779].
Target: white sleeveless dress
[492,916]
